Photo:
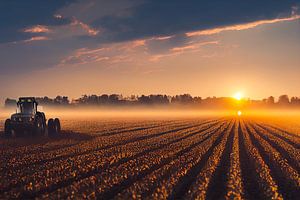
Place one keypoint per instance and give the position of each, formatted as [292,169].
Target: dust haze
[155,112]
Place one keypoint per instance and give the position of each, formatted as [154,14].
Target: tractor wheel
[38,127]
[43,133]
[44,123]
[51,127]
[7,128]
[57,126]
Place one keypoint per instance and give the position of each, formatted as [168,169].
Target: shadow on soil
[28,140]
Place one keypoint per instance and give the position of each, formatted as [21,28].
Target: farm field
[207,158]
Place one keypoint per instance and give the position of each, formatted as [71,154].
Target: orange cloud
[193,46]
[137,43]
[37,38]
[37,29]
[158,57]
[163,38]
[184,48]
[85,27]
[75,28]
[239,27]
[132,51]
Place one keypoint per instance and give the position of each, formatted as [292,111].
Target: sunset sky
[201,47]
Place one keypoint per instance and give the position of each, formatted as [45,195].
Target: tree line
[156,99]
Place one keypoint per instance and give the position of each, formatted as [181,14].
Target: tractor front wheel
[51,127]
[7,128]
[54,127]
[57,126]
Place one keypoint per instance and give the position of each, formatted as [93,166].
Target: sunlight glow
[239,113]
[238,96]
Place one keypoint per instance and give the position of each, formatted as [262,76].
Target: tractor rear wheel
[51,127]
[38,127]
[57,126]
[7,128]
[44,127]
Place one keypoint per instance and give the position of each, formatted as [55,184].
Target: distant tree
[295,101]
[83,99]
[159,99]
[65,100]
[265,101]
[93,99]
[133,98]
[44,100]
[58,100]
[47,100]
[103,99]
[284,100]
[182,99]
[271,100]
[144,99]
[197,99]
[10,102]
[114,98]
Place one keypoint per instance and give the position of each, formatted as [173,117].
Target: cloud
[90,11]
[156,48]
[125,20]
[239,27]
[37,29]
[137,52]
[164,19]
[19,15]
[193,46]
[90,31]
[37,38]
[110,54]
[75,25]
[75,28]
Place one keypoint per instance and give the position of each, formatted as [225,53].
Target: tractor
[28,119]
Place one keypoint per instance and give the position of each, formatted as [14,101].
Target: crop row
[287,177]
[182,159]
[20,159]
[172,176]
[234,183]
[43,144]
[121,175]
[291,153]
[61,169]
[284,135]
[199,189]
[268,188]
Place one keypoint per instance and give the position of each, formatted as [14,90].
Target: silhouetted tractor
[27,119]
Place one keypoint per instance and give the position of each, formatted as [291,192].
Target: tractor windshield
[26,108]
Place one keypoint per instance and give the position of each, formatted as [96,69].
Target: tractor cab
[27,106]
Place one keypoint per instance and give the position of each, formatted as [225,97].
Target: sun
[238,96]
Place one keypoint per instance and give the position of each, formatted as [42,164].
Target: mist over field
[150,112]
[155,112]
[284,117]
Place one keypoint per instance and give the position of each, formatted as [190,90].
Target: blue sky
[125,45]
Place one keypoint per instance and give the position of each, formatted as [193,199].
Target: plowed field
[222,158]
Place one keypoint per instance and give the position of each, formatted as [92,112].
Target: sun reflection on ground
[239,113]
